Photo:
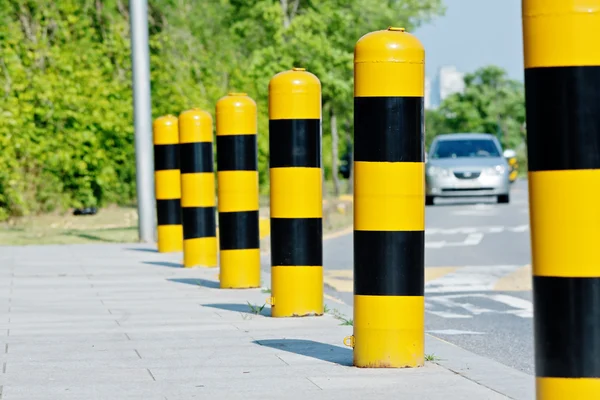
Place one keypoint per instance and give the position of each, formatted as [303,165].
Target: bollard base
[240,269]
[170,238]
[296,291]
[389,331]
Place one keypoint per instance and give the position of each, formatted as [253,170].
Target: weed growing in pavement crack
[266,290]
[256,309]
[431,357]
[339,316]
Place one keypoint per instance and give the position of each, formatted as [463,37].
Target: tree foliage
[490,103]
[66,135]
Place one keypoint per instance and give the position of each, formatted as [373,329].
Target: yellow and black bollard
[167,184]
[562,81]
[237,177]
[296,194]
[389,214]
[197,189]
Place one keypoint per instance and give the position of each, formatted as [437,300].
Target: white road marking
[523,308]
[434,245]
[445,314]
[482,210]
[518,307]
[472,239]
[476,229]
[455,332]
[447,301]
[521,228]
[470,279]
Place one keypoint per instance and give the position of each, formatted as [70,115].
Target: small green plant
[431,357]
[266,290]
[256,309]
[339,316]
[325,308]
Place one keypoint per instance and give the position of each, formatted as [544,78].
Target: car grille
[467,174]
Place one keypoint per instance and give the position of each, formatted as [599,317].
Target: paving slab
[125,322]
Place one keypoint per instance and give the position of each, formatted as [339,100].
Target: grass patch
[119,225]
[431,357]
[109,225]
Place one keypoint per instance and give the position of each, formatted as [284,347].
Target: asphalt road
[478,277]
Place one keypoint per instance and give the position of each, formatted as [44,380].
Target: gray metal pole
[144,159]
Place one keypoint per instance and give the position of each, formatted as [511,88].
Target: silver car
[466,164]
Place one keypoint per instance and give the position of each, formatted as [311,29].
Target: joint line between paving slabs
[127,336]
[6,349]
[152,376]
[1,390]
[138,353]
[4,367]
[477,383]
[310,380]
[276,355]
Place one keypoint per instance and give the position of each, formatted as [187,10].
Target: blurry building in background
[447,82]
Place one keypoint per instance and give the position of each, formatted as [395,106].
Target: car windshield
[470,148]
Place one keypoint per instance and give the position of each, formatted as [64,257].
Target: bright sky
[475,33]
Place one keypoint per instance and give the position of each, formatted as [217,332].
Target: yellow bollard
[389,199]
[562,80]
[197,189]
[296,194]
[237,175]
[167,184]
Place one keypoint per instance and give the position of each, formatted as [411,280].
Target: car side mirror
[509,153]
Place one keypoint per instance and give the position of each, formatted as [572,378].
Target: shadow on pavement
[254,309]
[164,264]
[197,282]
[310,348]
[144,249]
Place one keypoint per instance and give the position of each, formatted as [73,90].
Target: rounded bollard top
[235,101]
[165,130]
[295,94]
[236,115]
[195,115]
[195,125]
[296,80]
[393,45]
[165,120]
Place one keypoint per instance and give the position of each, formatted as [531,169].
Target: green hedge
[66,135]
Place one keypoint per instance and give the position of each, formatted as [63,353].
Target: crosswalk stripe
[501,278]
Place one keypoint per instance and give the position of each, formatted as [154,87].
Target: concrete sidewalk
[124,322]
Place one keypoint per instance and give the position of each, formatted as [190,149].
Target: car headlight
[437,171]
[497,170]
